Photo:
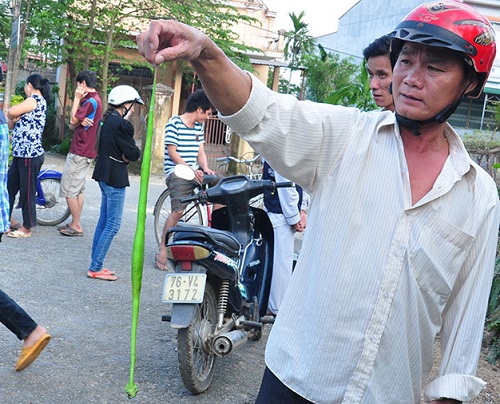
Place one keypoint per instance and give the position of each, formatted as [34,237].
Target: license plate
[184,288]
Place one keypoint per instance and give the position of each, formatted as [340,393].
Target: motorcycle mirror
[184,172]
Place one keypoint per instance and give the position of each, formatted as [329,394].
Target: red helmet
[453,25]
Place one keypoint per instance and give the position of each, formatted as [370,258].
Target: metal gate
[217,140]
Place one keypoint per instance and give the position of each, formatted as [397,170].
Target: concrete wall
[369,19]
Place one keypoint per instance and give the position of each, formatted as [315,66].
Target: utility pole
[14,54]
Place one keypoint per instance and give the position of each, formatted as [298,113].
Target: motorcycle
[219,289]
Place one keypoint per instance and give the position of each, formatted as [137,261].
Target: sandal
[18,234]
[30,353]
[162,266]
[102,275]
[69,231]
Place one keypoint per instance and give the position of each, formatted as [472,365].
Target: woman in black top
[116,148]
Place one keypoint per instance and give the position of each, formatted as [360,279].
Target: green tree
[298,43]
[356,94]
[5,27]
[327,72]
[91,34]
[283,85]
[216,18]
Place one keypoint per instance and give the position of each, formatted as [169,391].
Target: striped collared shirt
[378,277]
[187,141]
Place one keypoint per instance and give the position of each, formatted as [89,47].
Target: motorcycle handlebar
[284,184]
[201,197]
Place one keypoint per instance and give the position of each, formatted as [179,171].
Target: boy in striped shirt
[184,144]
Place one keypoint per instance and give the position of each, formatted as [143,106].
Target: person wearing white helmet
[403,225]
[116,148]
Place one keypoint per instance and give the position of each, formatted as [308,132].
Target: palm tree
[298,43]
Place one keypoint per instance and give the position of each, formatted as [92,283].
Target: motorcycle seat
[220,238]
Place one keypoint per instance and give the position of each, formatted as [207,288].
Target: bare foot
[161,261]
[14,224]
[34,336]
[24,230]
[78,227]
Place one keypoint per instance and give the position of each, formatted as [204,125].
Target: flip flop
[102,275]
[18,234]
[70,232]
[30,353]
[106,270]
[64,226]
[162,266]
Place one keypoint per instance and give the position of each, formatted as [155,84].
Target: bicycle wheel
[162,210]
[55,210]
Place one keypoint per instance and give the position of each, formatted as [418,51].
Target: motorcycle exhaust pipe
[224,344]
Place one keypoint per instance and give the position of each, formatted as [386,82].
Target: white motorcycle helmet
[122,94]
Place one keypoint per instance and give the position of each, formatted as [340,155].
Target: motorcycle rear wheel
[196,357]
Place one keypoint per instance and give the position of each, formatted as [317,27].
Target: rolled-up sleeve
[460,387]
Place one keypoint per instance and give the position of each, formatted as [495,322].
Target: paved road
[88,359]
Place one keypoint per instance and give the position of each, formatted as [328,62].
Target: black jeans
[22,178]
[273,391]
[14,317]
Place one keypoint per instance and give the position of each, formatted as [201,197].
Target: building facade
[370,19]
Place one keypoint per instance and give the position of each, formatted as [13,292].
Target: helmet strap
[416,125]
[126,110]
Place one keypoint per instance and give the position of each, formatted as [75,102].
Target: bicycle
[250,164]
[193,214]
[51,208]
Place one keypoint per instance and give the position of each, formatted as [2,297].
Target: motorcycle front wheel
[196,357]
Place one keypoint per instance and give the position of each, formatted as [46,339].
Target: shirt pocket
[437,256]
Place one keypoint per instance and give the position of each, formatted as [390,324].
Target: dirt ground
[486,371]
[490,374]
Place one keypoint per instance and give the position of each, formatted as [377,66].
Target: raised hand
[80,91]
[170,40]
[227,86]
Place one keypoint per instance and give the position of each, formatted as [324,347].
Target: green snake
[138,248]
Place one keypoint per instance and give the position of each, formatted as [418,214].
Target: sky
[321,15]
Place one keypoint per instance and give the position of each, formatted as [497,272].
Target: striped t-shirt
[186,139]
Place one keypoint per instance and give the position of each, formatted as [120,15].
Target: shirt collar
[459,157]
